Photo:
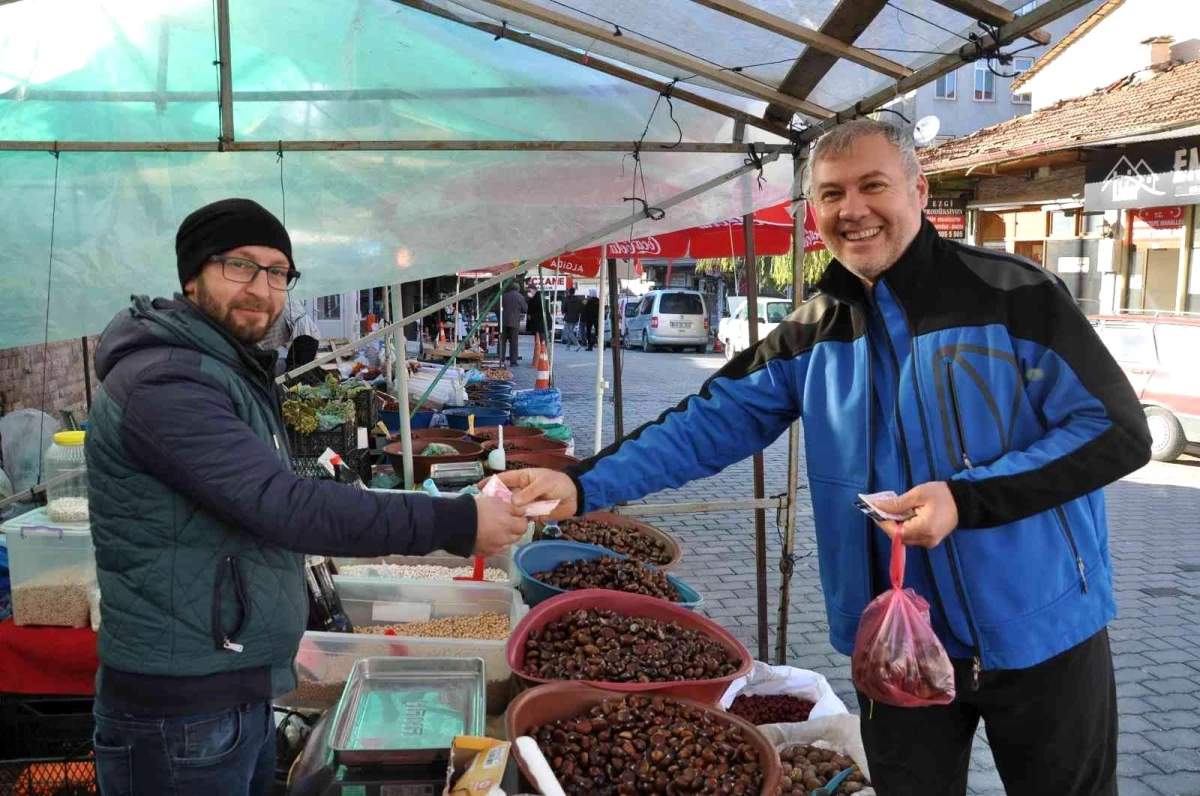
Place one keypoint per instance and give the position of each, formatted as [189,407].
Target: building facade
[980,95]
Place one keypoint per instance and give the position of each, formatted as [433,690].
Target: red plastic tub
[486,433]
[549,460]
[708,692]
[548,703]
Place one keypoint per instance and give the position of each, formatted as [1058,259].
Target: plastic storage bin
[67,500]
[52,567]
[502,561]
[640,606]
[325,660]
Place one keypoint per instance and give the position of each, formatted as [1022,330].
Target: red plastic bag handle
[897,567]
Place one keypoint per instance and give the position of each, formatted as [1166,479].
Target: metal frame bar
[697,507]
[731,80]
[385,146]
[599,65]
[807,36]
[578,243]
[991,13]
[224,59]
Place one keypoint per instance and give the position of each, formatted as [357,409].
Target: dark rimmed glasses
[238,269]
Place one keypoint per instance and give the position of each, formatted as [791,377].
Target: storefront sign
[549,282]
[1154,174]
[948,216]
[1073,265]
[1159,218]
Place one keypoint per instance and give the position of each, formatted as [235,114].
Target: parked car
[734,332]
[669,318]
[1159,356]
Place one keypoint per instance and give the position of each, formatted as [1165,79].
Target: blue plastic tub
[422,419]
[546,555]
[484,416]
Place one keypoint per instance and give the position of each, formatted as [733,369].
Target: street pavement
[1154,521]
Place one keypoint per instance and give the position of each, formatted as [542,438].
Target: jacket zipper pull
[230,645]
[976,668]
[1082,574]
[276,438]
[966,460]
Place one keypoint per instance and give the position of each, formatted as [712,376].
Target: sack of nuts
[781,694]
[826,745]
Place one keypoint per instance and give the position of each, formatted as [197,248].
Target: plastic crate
[36,726]
[365,409]
[342,439]
[48,777]
[324,660]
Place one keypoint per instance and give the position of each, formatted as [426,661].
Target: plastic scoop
[477,575]
[832,785]
[496,459]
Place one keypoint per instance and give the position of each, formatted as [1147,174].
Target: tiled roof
[1159,99]
[1075,34]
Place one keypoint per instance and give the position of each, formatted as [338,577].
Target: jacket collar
[902,278]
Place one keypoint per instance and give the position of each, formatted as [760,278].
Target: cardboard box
[476,766]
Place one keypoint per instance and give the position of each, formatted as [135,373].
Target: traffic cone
[718,346]
[441,334]
[542,363]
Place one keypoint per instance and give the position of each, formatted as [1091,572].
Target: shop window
[1134,290]
[985,82]
[1062,224]
[1177,344]
[1019,67]
[329,308]
[1098,224]
[946,87]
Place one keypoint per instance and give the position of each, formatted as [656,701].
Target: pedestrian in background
[512,307]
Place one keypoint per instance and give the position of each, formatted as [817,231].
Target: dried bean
[769,709]
[419,572]
[604,646]
[59,597]
[618,538]
[489,626]
[607,572]
[639,746]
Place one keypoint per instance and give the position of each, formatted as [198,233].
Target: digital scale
[452,477]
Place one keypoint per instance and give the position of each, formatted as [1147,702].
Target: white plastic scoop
[495,459]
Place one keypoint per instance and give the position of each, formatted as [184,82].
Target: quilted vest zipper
[223,640]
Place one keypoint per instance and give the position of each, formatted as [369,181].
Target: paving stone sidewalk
[1155,541]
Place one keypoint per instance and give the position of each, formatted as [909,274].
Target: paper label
[400,612]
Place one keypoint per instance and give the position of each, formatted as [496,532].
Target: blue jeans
[231,752]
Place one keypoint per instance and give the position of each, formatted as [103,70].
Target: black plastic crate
[342,439]
[48,777]
[366,408]
[35,726]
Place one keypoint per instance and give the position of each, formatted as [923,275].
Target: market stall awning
[404,139]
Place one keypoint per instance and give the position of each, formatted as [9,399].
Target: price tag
[400,612]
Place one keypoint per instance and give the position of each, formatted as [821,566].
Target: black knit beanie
[226,225]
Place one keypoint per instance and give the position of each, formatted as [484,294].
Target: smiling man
[969,382]
[200,526]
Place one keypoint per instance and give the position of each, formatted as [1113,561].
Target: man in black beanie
[200,527]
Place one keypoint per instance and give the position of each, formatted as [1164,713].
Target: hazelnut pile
[806,768]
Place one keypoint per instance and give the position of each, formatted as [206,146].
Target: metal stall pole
[389,372]
[760,516]
[787,559]
[618,400]
[402,384]
[599,442]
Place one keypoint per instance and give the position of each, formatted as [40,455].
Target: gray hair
[841,138]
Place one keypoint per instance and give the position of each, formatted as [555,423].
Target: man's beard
[247,333]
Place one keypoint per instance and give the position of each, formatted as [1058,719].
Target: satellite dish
[926,130]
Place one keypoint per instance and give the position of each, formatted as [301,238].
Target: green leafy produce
[438,449]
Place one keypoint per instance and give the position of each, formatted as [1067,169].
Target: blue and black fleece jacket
[1000,388]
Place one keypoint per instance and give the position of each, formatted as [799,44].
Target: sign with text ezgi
[948,216]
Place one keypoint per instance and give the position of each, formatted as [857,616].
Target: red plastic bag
[897,658]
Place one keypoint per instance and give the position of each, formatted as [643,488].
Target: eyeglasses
[235,269]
